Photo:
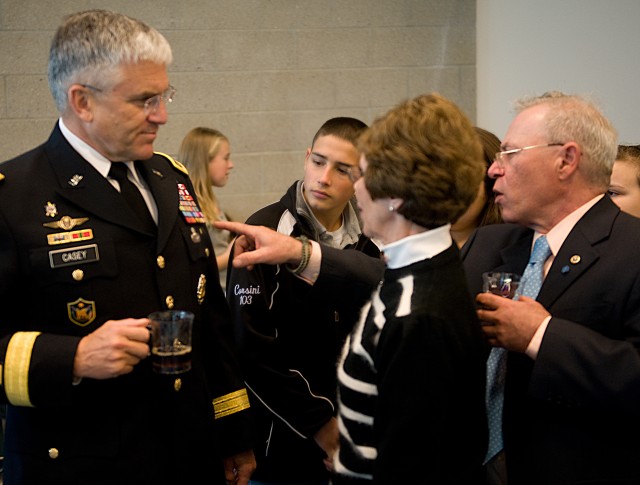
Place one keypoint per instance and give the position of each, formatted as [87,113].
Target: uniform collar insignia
[75,180]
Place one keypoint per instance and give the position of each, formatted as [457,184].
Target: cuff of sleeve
[536,341]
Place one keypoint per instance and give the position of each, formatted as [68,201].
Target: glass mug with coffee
[171,341]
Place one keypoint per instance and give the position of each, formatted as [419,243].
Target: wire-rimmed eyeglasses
[502,157]
[149,105]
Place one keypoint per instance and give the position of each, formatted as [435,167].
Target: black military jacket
[71,258]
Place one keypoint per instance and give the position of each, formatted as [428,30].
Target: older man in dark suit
[572,387]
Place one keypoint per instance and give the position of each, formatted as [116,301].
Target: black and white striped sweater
[412,374]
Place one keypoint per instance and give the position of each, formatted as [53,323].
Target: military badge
[70,236]
[81,312]
[66,222]
[190,210]
[50,210]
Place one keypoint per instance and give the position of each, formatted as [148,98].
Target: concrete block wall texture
[267,73]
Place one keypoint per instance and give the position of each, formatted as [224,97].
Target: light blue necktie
[497,361]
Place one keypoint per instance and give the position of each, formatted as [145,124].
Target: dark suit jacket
[573,415]
[57,284]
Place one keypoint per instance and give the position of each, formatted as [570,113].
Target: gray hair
[575,118]
[90,44]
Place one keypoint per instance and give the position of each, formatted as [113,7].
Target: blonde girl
[206,154]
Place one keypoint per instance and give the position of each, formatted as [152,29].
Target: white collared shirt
[556,237]
[103,164]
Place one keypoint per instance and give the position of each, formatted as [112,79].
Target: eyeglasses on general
[149,105]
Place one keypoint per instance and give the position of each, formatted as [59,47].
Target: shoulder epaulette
[174,162]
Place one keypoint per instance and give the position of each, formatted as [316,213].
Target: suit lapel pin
[157,173]
[575,259]
[565,269]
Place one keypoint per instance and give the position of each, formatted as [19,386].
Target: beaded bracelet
[306,255]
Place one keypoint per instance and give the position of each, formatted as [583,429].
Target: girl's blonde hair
[198,147]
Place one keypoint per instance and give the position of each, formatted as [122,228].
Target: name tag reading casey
[74,256]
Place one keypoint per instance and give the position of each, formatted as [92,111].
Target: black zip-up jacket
[290,334]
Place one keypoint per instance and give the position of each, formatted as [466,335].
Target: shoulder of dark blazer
[494,236]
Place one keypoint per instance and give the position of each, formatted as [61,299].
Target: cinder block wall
[267,73]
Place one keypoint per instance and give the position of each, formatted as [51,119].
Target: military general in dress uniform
[80,271]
